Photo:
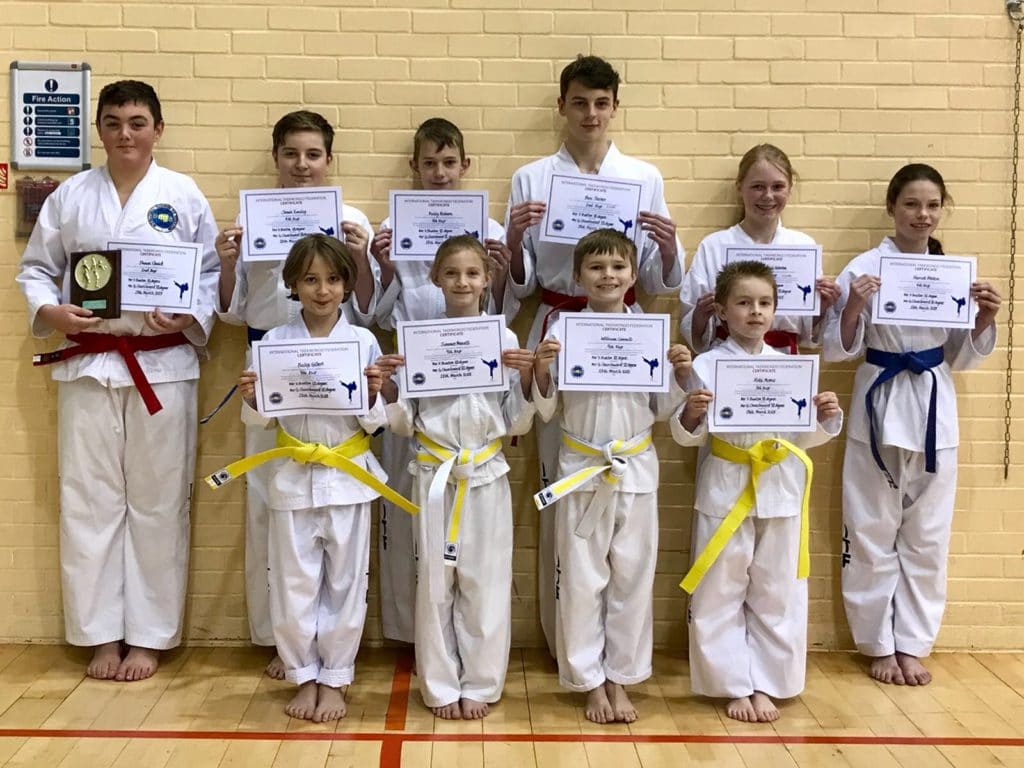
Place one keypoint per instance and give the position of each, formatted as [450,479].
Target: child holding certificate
[604,609]
[748,584]
[127,390]
[253,293]
[464,529]
[899,471]
[438,162]
[764,181]
[319,498]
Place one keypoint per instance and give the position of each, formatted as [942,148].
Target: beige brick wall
[850,89]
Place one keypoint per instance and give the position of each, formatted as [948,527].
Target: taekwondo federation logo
[276,398]
[182,289]
[491,365]
[889,306]
[473,234]
[959,303]
[162,217]
[805,289]
[558,225]
[846,558]
[576,371]
[725,413]
[800,405]
[419,378]
[406,243]
[652,364]
[259,243]
[329,231]
[451,551]
[221,477]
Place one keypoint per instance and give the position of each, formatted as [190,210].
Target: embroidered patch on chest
[162,217]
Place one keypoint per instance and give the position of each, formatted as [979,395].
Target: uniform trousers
[395,548]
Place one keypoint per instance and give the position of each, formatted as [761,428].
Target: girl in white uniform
[127,438]
[748,610]
[464,529]
[764,181]
[899,471]
[606,529]
[319,544]
[407,292]
[252,293]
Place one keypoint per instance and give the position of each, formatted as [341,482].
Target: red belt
[126,346]
[563,302]
[777,339]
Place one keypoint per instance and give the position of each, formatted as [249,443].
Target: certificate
[796,269]
[301,376]
[422,220]
[764,393]
[579,204]
[273,219]
[932,291]
[161,276]
[613,352]
[452,356]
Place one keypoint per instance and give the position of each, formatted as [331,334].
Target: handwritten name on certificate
[925,290]
[578,204]
[769,393]
[162,276]
[796,269]
[273,219]
[422,220]
[613,352]
[452,356]
[298,376]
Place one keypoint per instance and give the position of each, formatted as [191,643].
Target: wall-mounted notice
[50,115]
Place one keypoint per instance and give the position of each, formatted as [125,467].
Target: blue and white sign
[50,115]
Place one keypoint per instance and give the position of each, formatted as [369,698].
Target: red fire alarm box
[31,195]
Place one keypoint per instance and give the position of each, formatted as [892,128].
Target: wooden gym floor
[212,707]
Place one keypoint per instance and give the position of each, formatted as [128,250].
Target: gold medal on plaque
[96,282]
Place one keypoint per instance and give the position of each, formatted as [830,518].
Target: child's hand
[68,318]
[662,230]
[500,257]
[522,217]
[356,238]
[519,359]
[161,323]
[388,364]
[827,404]
[247,388]
[374,379]
[380,246]
[861,291]
[829,291]
[682,362]
[227,246]
[547,353]
[696,408]
[988,300]
[703,310]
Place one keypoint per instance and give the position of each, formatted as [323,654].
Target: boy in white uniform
[438,162]
[253,294]
[748,610]
[588,101]
[899,469]
[127,437]
[604,607]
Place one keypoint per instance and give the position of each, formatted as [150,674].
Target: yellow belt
[615,453]
[461,462]
[760,457]
[339,457]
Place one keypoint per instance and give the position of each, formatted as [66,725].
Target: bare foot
[885,670]
[106,658]
[474,710]
[913,670]
[448,711]
[275,669]
[741,709]
[139,664]
[622,707]
[764,708]
[303,705]
[599,709]
[330,704]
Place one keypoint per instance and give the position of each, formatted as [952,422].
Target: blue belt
[251,334]
[893,363]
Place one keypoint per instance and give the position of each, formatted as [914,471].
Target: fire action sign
[50,115]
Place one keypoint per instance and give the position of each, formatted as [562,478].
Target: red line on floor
[398,705]
[393,736]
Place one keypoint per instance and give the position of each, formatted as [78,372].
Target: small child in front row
[748,604]
[464,529]
[319,548]
[606,532]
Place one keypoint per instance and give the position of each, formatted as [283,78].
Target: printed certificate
[297,376]
[161,276]
[578,204]
[615,352]
[796,268]
[925,290]
[452,356]
[422,220]
[273,219]
[764,393]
